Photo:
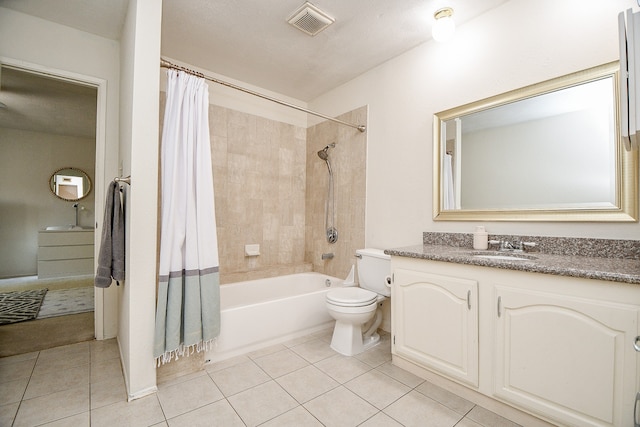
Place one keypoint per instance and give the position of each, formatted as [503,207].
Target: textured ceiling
[249,41]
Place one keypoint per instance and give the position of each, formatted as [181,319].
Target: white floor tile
[8,413]
[19,358]
[377,388]
[53,406]
[298,417]
[239,378]
[417,410]
[405,377]
[448,399]
[140,412]
[107,392]
[262,403]
[342,368]
[57,380]
[181,398]
[340,408]
[314,351]
[80,420]
[487,418]
[302,383]
[105,370]
[12,391]
[307,383]
[215,414]
[17,370]
[381,420]
[281,363]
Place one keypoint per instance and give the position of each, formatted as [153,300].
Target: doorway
[48,128]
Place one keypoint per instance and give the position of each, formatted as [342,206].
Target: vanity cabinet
[436,322]
[65,253]
[557,347]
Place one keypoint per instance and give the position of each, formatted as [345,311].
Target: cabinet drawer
[49,253]
[65,238]
[63,268]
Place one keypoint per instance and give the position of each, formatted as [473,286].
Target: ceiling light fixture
[444,27]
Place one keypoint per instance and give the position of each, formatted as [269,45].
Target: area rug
[18,306]
[67,301]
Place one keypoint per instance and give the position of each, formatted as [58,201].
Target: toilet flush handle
[387,281]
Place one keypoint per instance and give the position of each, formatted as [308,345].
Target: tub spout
[327,256]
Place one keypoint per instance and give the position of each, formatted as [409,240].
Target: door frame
[105,300]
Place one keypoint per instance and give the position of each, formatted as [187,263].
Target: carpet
[18,306]
[67,301]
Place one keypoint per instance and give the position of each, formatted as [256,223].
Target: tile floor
[300,383]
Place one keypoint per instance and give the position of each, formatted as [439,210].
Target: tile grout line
[15,417]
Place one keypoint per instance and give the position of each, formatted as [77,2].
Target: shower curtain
[449,200]
[188,307]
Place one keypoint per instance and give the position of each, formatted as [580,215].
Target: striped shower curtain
[188,307]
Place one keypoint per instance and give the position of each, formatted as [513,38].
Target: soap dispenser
[480,238]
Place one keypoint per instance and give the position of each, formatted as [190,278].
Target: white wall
[27,205]
[140,57]
[517,44]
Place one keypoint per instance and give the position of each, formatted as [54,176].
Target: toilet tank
[374,266]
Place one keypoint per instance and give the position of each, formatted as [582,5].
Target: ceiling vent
[309,19]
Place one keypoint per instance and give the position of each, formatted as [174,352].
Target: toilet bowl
[357,310]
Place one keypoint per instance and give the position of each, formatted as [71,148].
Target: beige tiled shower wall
[270,188]
[259,183]
[348,162]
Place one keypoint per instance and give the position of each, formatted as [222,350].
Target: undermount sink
[506,256]
[65,228]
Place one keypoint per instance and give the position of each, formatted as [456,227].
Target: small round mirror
[70,184]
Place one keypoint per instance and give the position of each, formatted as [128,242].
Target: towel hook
[126,179]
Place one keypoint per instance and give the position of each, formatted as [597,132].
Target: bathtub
[259,313]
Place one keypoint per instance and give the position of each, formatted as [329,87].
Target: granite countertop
[626,270]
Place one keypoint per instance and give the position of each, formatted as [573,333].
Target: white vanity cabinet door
[571,359]
[435,323]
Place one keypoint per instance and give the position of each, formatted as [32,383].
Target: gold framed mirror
[551,151]
[70,184]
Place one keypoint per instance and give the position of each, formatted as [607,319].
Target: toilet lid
[354,297]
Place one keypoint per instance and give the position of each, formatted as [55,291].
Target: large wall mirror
[547,152]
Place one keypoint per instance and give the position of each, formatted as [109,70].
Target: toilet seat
[351,297]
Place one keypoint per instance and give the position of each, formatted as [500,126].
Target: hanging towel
[111,257]
[188,306]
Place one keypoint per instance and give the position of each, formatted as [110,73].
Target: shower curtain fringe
[185,351]
[167,64]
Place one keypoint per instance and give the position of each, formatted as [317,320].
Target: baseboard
[142,393]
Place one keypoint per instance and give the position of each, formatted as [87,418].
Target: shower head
[324,153]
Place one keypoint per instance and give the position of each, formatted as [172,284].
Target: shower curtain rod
[166,64]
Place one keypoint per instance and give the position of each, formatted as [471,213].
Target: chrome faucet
[75,205]
[327,256]
[518,246]
[506,246]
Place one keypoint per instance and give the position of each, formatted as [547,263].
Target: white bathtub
[259,313]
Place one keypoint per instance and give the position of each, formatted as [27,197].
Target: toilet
[357,310]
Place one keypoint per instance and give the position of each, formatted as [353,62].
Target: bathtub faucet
[327,256]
